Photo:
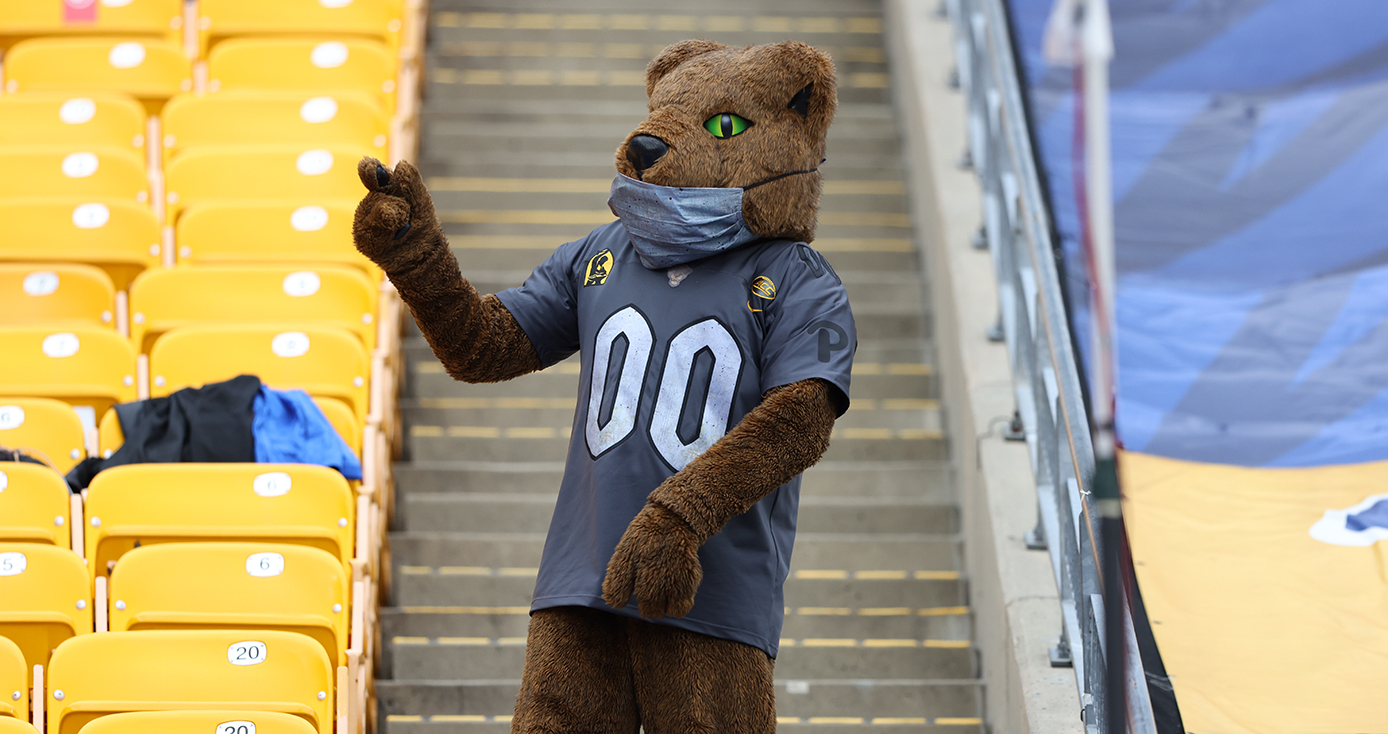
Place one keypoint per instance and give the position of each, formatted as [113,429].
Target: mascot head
[733,134]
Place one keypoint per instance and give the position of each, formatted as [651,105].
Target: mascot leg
[577,677]
[687,682]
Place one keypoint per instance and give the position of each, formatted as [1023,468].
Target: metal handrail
[1046,380]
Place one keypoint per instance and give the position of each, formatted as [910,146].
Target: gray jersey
[668,365]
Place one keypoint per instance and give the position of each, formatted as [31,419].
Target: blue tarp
[1250,146]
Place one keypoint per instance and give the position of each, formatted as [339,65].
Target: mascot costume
[715,347]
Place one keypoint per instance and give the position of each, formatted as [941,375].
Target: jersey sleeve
[546,305]
[809,326]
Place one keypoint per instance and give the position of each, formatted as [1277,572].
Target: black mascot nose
[644,150]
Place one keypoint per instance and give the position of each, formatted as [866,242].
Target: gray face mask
[671,226]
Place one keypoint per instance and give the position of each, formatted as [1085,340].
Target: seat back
[44,428]
[271,232]
[323,296]
[56,294]
[88,171]
[233,670]
[262,503]
[119,236]
[14,682]
[45,598]
[233,586]
[306,64]
[377,20]
[156,19]
[86,367]
[202,722]
[273,117]
[325,362]
[149,70]
[262,172]
[68,119]
[35,505]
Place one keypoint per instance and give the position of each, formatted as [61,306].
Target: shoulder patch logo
[763,293]
[599,267]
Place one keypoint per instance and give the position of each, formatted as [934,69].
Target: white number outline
[640,345]
[666,428]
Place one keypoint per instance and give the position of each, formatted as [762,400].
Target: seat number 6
[246,653]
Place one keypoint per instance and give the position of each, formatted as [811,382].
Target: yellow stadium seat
[120,237]
[202,722]
[86,367]
[374,19]
[284,295]
[151,71]
[35,505]
[324,362]
[54,294]
[307,64]
[234,586]
[263,503]
[10,725]
[14,682]
[45,598]
[92,171]
[268,117]
[271,232]
[72,119]
[260,172]
[44,428]
[173,670]
[154,18]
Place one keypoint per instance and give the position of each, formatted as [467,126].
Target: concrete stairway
[527,101]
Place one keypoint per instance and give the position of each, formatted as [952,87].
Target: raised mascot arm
[474,336]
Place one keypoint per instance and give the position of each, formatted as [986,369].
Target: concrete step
[713,7]
[890,413]
[898,253]
[491,443]
[546,141]
[447,195]
[448,76]
[479,129]
[441,658]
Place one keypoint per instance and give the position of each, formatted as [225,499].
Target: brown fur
[475,337]
[657,558]
[692,81]
[590,672]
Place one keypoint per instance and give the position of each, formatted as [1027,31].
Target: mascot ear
[801,101]
[806,75]
[674,55]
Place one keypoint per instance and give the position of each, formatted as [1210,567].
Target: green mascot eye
[726,125]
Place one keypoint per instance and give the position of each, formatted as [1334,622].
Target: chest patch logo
[599,267]
[763,293]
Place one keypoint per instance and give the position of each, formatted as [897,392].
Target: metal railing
[1032,320]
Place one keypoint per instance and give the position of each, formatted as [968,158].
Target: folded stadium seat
[151,71]
[263,503]
[45,598]
[234,586]
[204,722]
[271,232]
[261,172]
[232,670]
[306,120]
[93,171]
[35,505]
[43,428]
[120,237]
[154,19]
[86,367]
[294,298]
[378,20]
[54,295]
[306,64]
[337,412]
[325,362]
[72,119]
[14,682]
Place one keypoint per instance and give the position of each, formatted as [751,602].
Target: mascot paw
[396,216]
[657,559]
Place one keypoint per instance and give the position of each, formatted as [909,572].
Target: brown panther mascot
[715,349]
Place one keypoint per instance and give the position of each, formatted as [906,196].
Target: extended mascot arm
[657,558]
[474,336]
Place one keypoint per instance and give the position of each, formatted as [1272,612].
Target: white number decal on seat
[236,727]
[11,416]
[13,563]
[264,565]
[272,484]
[706,337]
[632,325]
[246,653]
